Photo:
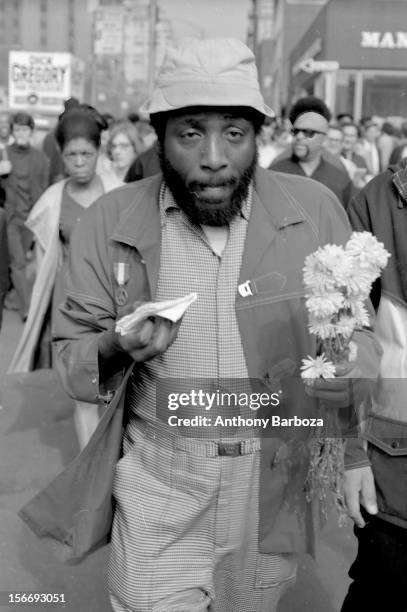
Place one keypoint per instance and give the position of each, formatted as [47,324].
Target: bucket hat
[208,72]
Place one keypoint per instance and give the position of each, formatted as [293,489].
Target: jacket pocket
[387,434]
[387,452]
[286,368]
[270,283]
[275,571]
[267,288]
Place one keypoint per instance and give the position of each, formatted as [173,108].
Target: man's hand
[150,338]
[338,389]
[360,489]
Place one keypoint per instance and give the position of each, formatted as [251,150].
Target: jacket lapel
[273,209]
[140,228]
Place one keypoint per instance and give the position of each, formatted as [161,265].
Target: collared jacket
[43,221]
[332,175]
[381,208]
[290,218]
[145,165]
[20,198]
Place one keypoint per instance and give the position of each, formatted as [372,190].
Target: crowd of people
[219,203]
[362,148]
[45,193]
[26,172]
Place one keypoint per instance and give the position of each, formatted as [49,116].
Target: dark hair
[71,103]
[133,117]
[109,118]
[22,119]
[82,121]
[309,104]
[342,115]
[366,120]
[159,120]
[368,123]
[335,126]
[388,128]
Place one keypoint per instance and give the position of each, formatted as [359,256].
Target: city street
[37,440]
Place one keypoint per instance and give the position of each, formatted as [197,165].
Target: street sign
[43,80]
[310,65]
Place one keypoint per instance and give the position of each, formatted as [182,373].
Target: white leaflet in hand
[171,309]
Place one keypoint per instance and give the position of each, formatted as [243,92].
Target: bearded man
[187,533]
[310,119]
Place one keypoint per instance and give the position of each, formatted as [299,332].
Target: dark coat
[381,208]
[290,218]
[145,165]
[4,260]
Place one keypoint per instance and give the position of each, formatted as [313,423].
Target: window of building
[384,94]
[345,92]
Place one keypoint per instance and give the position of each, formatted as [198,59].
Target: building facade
[136,46]
[43,25]
[112,37]
[368,40]
[274,29]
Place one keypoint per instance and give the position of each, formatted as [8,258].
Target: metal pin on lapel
[121,272]
[245,289]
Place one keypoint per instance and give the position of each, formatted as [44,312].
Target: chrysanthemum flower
[325,305]
[322,327]
[345,326]
[360,314]
[317,367]
[331,257]
[369,251]
[315,275]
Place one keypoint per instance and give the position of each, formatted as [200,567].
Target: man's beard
[303,157]
[186,198]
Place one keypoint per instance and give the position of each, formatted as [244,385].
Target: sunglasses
[308,133]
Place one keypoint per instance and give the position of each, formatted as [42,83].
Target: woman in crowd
[52,221]
[122,148]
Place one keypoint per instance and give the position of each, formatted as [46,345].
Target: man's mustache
[199,185]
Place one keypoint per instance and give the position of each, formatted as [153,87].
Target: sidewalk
[37,440]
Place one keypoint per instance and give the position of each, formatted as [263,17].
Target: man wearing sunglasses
[310,119]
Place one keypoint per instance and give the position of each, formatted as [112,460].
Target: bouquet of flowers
[338,282]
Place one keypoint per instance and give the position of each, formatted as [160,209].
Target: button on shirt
[208,345]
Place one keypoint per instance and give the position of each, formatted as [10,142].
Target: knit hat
[208,72]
